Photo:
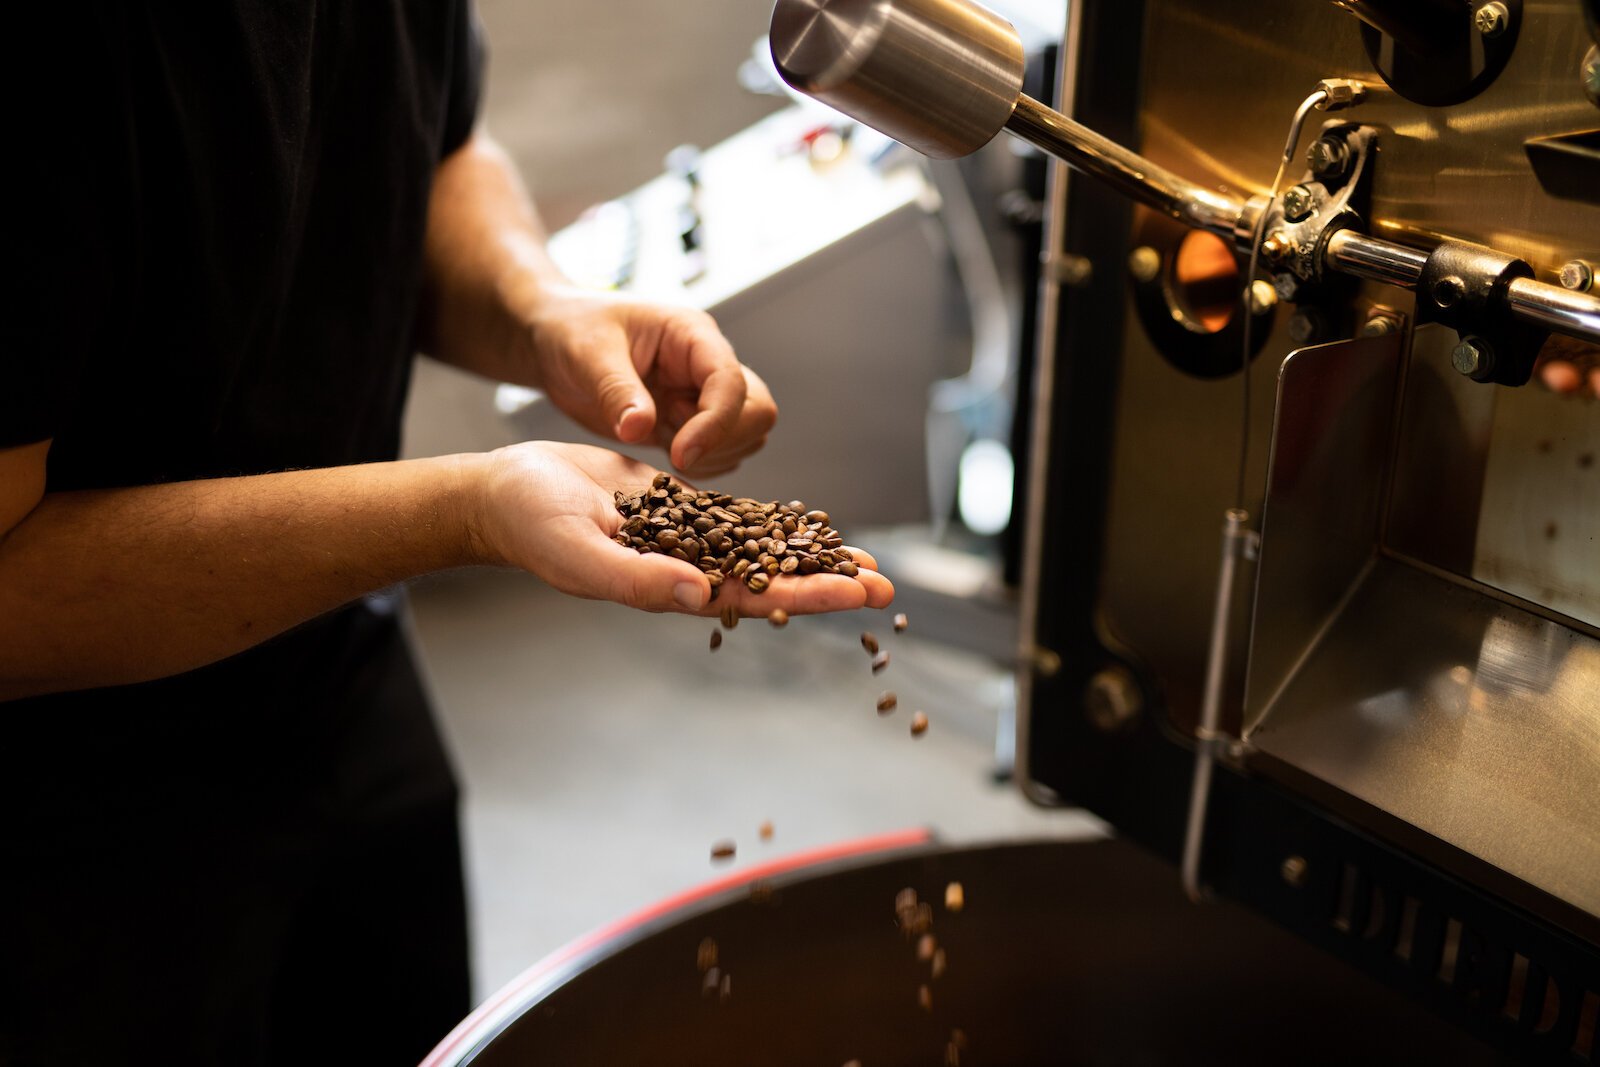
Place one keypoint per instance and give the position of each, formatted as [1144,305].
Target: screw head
[1577,276]
[1263,297]
[1492,19]
[1277,246]
[1112,698]
[1144,263]
[1327,157]
[1294,870]
[1472,357]
[1298,203]
[1379,326]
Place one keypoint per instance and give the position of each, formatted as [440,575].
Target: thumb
[621,402]
[647,581]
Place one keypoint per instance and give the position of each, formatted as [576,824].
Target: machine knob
[942,76]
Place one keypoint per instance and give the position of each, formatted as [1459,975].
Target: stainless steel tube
[1127,171]
[1549,306]
[1554,308]
[1375,260]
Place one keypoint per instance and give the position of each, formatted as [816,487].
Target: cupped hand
[549,508]
[637,371]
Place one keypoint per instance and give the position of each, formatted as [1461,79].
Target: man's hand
[638,371]
[494,303]
[549,509]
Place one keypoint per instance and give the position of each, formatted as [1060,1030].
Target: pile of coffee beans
[731,538]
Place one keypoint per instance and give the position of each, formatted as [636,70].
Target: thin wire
[1248,297]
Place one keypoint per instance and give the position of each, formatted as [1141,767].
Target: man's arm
[626,369]
[113,586]
[107,587]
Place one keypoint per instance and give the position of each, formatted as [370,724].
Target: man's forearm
[116,586]
[486,263]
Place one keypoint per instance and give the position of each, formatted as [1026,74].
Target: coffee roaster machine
[1374,714]
[1311,578]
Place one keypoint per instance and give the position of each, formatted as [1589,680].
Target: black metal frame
[1467,953]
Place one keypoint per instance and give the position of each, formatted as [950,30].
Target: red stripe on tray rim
[861,846]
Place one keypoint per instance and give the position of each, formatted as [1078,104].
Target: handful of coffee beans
[731,538]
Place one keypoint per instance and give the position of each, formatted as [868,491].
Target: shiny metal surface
[1468,718]
[1125,170]
[1555,308]
[1320,524]
[1374,710]
[939,75]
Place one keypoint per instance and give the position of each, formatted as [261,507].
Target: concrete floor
[603,751]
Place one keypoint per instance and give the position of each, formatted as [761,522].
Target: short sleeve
[465,91]
[69,162]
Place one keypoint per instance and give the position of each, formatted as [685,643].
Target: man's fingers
[602,368]
[813,594]
[597,567]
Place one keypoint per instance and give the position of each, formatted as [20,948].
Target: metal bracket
[1464,287]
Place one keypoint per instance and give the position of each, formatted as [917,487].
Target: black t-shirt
[222,215]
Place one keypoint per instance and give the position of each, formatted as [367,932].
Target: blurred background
[603,751]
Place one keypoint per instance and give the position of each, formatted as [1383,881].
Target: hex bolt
[1590,71]
[1112,698]
[1298,203]
[1492,19]
[1448,290]
[1328,157]
[1577,276]
[1305,327]
[1144,263]
[1472,357]
[1294,870]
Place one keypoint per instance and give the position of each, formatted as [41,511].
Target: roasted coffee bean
[925,948]
[936,968]
[730,616]
[919,724]
[887,703]
[726,989]
[716,640]
[766,830]
[905,900]
[751,540]
[760,891]
[925,998]
[880,661]
[900,624]
[955,898]
[870,643]
[723,850]
[778,617]
[705,956]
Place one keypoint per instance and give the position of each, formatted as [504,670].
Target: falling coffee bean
[919,724]
[937,968]
[880,661]
[730,616]
[705,956]
[778,617]
[900,624]
[870,643]
[925,949]
[716,640]
[925,998]
[886,703]
[766,830]
[727,987]
[955,898]
[723,850]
